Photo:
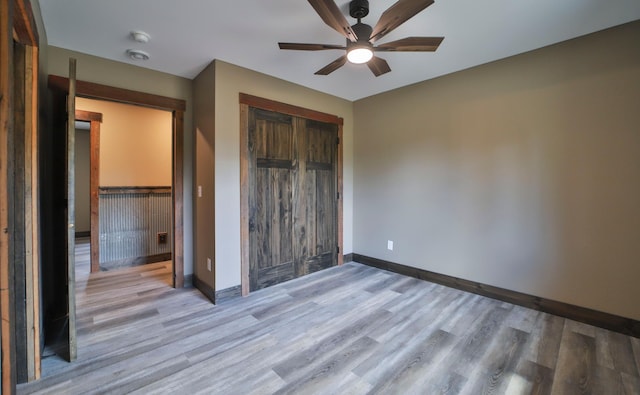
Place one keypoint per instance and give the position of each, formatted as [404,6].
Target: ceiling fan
[361,37]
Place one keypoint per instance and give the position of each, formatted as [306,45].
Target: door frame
[94,119]
[177,107]
[247,101]
[19,229]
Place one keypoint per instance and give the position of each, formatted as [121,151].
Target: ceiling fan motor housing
[363,31]
[359,8]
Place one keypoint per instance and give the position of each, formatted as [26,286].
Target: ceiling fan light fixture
[359,54]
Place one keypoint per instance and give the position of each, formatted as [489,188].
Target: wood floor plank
[622,353]
[472,348]
[351,384]
[142,378]
[635,346]
[305,360]
[607,381]
[416,319]
[351,329]
[228,363]
[462,358]
[499,363]
[544,343]
[631,384]
[576,365]
[469,311]
[531,378]
[324,375]
[408,372]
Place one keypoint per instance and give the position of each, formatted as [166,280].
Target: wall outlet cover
[163,237]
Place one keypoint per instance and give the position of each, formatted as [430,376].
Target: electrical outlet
[389,245]
[209,264]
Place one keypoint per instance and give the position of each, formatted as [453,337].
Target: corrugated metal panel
[160,221]
[130,222]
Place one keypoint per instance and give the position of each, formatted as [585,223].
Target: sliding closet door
[292,197]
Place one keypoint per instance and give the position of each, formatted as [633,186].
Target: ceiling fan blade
[411,44]
[378,66]
[332,16]
[309,47]
[333,66]
[396,15]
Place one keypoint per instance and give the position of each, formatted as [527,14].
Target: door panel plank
[273,233]
[300,246]
[261,215]
[310,205]
[253,210]
[285,226]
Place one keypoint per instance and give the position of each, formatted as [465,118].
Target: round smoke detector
[137,54]
[140,36]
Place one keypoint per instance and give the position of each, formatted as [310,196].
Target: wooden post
[32,232]
[178,210]
[71,232]
[6,124]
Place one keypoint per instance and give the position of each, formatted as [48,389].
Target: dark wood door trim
[177,107]
[97,91]
[7,297]
[24,23]
[244,198]
[177,198]
[21,226]
[247,101]
[95,118]
[339,190]
[283,108]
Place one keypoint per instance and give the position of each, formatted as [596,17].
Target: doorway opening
[123,183]
[58,283]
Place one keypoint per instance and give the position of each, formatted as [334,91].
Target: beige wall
[523,173]
[122,75]
[204,216]
[135,143]
[230,80]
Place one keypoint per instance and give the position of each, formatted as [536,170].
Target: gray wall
[523,173]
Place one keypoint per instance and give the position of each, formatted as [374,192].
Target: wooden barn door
[58,223]
[69,338]
[272,170]
[318,197]
[292,197]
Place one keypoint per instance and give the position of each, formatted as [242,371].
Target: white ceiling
[187,35]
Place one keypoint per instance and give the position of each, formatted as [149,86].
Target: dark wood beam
[104,92]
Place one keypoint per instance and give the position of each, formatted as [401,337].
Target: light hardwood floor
[346,330]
